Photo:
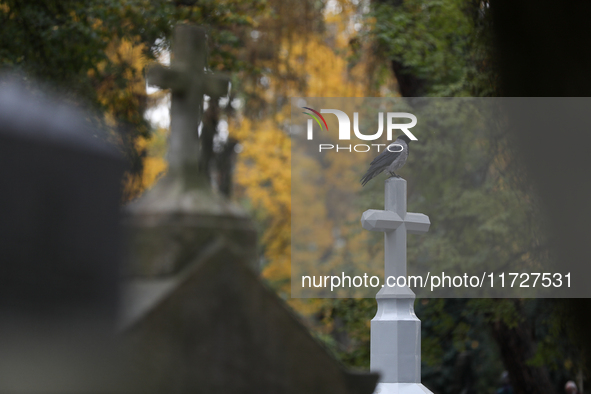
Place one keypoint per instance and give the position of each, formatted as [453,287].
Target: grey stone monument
[215,328]
[196,316]
[395,330]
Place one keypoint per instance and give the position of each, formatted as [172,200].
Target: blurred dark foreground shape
[59,248]
[204,324]
[555,145]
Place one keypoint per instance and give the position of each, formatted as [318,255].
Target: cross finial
[395,222]
[188,80]
[395,330]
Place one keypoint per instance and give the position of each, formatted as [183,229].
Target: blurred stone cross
[175,220]
[395,330]
[189,80]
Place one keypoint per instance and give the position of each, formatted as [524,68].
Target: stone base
[173,222]
[401,388]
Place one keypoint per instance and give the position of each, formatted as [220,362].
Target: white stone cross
[395,330]
[395,222]
[188,80]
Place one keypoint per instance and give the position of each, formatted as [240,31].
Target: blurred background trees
[96,51]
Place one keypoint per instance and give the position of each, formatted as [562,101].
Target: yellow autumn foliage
[263,169]
[129,103]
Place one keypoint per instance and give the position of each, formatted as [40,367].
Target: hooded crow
[391,159]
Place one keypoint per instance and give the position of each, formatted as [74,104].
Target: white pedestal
[401,388]
[396,343]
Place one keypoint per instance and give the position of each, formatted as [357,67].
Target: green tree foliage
[435,47]
[60,41]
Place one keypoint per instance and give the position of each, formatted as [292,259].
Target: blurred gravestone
[196,315]
[214,328]
[59,248]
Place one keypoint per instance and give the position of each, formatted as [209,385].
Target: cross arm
[376,220]
[417,223]
[167,78]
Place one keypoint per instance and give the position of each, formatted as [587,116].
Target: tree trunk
[517,346]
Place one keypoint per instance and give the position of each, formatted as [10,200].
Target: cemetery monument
[395,330]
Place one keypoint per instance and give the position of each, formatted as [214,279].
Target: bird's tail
[368,176]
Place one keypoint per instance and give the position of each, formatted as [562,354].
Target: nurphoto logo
[345,129]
